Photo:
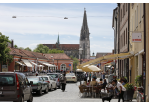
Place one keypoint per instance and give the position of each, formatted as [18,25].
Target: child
[88,82]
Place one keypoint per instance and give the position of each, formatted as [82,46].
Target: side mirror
[31,82]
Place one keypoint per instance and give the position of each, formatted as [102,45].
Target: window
[63,67]
[135,19]
[7,80]
[126,35]
[124,38]
[126,7]
[137,16]
[123,10]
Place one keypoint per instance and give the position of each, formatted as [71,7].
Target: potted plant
[128,94]
[138,81]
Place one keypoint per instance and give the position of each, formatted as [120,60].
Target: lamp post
[80,53]
[53,61]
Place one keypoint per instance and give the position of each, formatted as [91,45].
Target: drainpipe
[127,69]
[144,60]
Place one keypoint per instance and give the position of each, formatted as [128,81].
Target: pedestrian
[90,75]
[63,82]
[103,74]
[121,90]
[36,73]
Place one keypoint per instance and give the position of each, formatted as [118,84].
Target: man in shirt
[93,82]
[121,89]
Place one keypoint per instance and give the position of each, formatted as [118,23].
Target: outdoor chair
[83,89]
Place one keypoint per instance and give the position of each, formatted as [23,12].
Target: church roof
[58,56]
[64,46]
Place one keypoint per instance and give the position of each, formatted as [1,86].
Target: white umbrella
[79,70]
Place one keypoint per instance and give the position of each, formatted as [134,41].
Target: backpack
[61,78]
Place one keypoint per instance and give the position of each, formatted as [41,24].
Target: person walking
[121,89]
[63,82]
[90,75]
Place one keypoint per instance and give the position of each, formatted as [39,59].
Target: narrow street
[71,94]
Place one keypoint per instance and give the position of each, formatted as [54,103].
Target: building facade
[123,38]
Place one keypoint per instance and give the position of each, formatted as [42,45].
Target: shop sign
[136,37]
[4,68]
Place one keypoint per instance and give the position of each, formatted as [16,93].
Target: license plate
[1,92]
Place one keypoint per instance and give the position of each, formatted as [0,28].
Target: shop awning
[108,57]
[27,63]
[37,65]
[19,63]
[47,64]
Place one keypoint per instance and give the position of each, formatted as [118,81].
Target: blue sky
[30,31]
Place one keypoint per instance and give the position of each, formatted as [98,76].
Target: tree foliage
[75,62]
[15,46]
[21,48]
[5,56]
[28,49]
[44,49]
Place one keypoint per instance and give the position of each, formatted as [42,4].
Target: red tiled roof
[64,46]
[58,56]
[26,53]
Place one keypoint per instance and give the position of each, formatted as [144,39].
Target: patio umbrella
[91,68]
[79,70]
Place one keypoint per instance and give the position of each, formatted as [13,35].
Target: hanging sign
[136,37]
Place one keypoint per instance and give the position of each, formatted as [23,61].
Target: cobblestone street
[71,94]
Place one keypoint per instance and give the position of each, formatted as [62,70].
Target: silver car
[56,77]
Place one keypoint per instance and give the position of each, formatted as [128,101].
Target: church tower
[84,38]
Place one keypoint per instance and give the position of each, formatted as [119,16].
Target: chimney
[11,43]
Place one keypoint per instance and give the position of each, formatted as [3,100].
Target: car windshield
[70,74]
[33,79]
[7,80]
[53,75]
[45,78]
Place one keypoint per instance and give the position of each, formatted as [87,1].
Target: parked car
[56,77]
[15,86]
[71,77]
[39,84]
[51,81]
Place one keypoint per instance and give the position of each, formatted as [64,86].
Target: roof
[25,53]
[64,46]
[58,56]
[100,54]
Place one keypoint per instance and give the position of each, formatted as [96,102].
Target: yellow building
[136,25]
[147,49]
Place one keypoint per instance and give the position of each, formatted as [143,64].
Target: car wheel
[40,92]
[21,99]
[55,87]
[31,98]
[46,90]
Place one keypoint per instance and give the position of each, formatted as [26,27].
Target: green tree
[75,62]
[5,57]
[41,49]
[21,48]
[15,46]
[28,49]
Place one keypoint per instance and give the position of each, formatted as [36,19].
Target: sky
[40,23]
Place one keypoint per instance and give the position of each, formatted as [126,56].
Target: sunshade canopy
[79,70]
[37,65]
[47,64]
[19,63]
[27,63]
[91,68]
[108,57]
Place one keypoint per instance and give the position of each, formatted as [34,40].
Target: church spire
[58,39]
[84,29]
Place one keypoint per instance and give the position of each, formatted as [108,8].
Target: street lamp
[80,53]
[53,61]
